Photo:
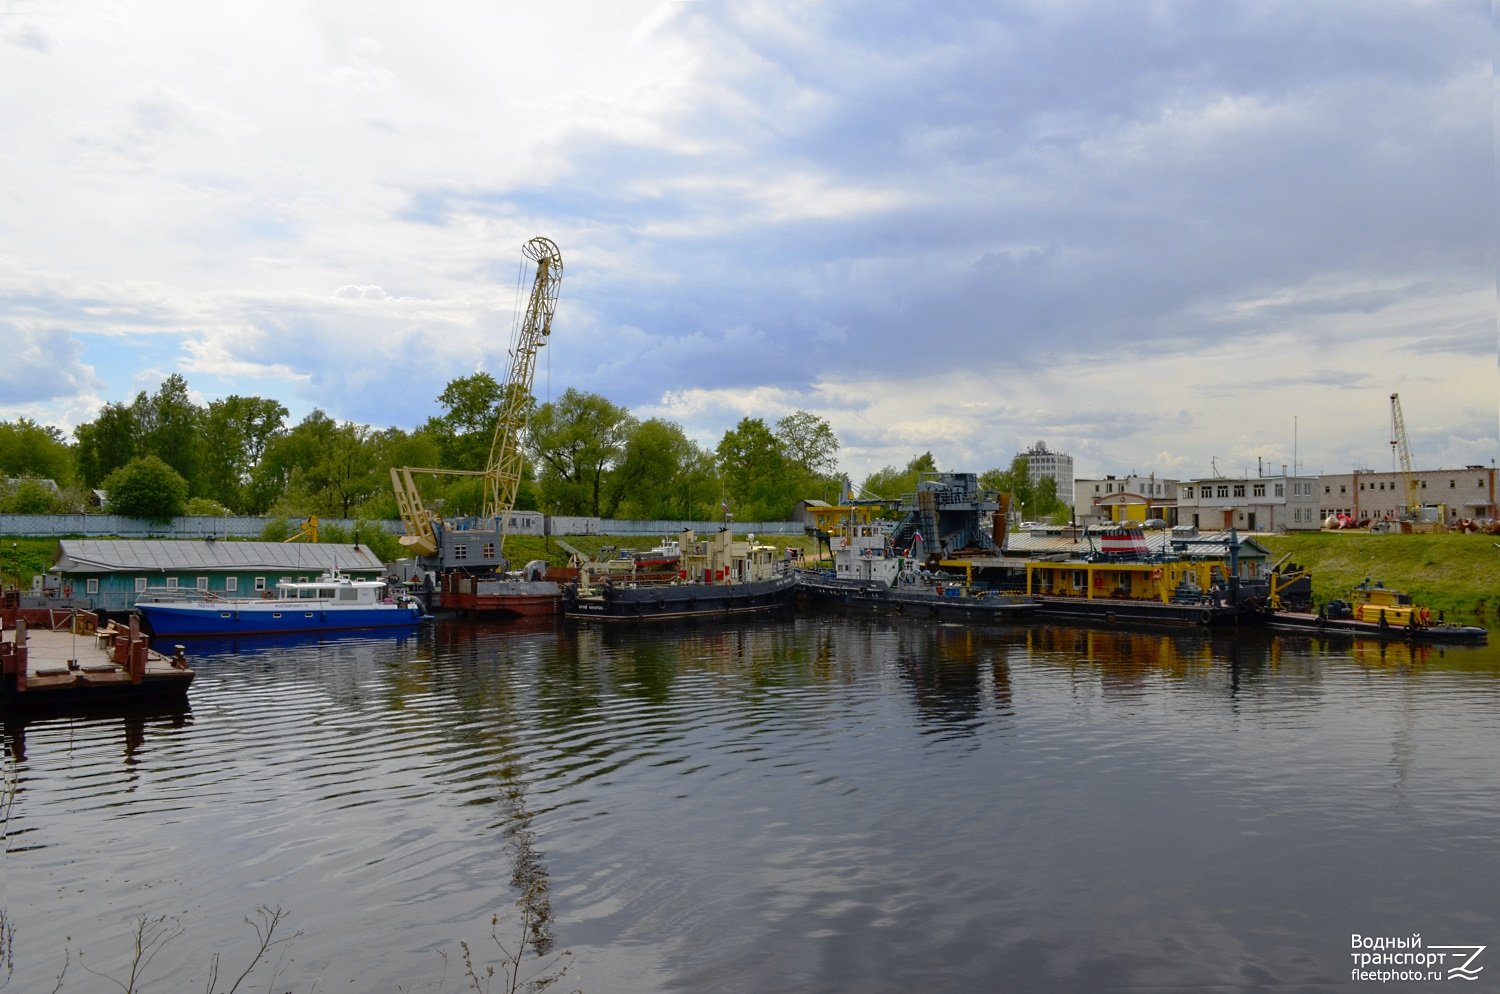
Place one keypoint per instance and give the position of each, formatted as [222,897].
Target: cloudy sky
[1162,236]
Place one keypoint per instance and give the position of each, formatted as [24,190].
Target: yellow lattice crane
[1403,453]
[502,474]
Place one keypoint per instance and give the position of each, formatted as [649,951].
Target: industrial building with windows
[1460,493]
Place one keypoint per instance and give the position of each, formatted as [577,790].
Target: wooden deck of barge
[81,667]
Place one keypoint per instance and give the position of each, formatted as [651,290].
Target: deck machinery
[947,514]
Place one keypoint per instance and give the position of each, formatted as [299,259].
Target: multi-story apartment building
[1042,461]
[1258,503]
[1462,493]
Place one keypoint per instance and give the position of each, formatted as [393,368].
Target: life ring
[1156,574]
[843,543]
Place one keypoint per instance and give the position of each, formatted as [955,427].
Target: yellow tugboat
[1378,611]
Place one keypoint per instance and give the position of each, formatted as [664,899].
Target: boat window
[349,594]
[325,592]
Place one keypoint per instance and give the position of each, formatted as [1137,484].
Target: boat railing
[176,595]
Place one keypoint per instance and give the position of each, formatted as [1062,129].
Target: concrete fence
[117,526]
[671,528]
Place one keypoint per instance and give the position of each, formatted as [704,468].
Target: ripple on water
[885,804]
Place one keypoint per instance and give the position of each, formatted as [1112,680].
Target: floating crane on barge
[468,554]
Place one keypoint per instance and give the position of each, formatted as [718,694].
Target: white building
[1042,461]
[1257,503]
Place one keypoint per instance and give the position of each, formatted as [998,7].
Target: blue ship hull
[273,617]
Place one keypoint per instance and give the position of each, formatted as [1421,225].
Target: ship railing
[176,595]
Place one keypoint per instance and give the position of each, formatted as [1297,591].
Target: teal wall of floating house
[113,573]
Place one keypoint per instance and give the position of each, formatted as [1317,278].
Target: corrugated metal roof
[166,555]
[1205,544]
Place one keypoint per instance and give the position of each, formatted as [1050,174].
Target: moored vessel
[1380,612]
[716,575]
[332,602]
[868,572]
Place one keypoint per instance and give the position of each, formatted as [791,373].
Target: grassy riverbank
[1455,573]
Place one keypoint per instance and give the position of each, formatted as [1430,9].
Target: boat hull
[938,601]
[680,600]
[1122,611]
[272,617]
[520,598]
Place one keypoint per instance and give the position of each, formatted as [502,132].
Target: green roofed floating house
[113,574]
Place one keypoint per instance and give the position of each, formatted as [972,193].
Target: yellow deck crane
[1403,453]
[502,474]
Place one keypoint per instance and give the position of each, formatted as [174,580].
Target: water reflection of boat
[203,646]
[333,602]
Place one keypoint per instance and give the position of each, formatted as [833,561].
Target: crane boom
[502,472]
[1403,452]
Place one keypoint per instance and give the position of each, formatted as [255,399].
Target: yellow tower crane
[1403,453]
[502,474]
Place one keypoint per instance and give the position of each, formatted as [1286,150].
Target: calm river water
[807,803]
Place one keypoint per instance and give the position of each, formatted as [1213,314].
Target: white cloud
[42,369]
[1144,238]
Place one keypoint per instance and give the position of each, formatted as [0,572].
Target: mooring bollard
[179,658]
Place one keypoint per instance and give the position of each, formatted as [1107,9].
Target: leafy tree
[576,440]
[27,495]
[30,449]
[754,468]
[646,483]
[891,483]
[809,441]
[1033,502]
[1046,503]
[148,488]
[466,428]
[347,473]
[170,426]
[106,443]
[237,431]
[206,507]
[293,452]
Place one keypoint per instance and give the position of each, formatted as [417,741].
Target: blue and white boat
[332,602]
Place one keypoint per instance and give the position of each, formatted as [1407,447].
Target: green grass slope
[1456,573]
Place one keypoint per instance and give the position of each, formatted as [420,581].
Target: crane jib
[502,472]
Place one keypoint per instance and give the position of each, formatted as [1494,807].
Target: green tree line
[162,454]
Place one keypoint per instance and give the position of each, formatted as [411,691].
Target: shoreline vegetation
[1452,572]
